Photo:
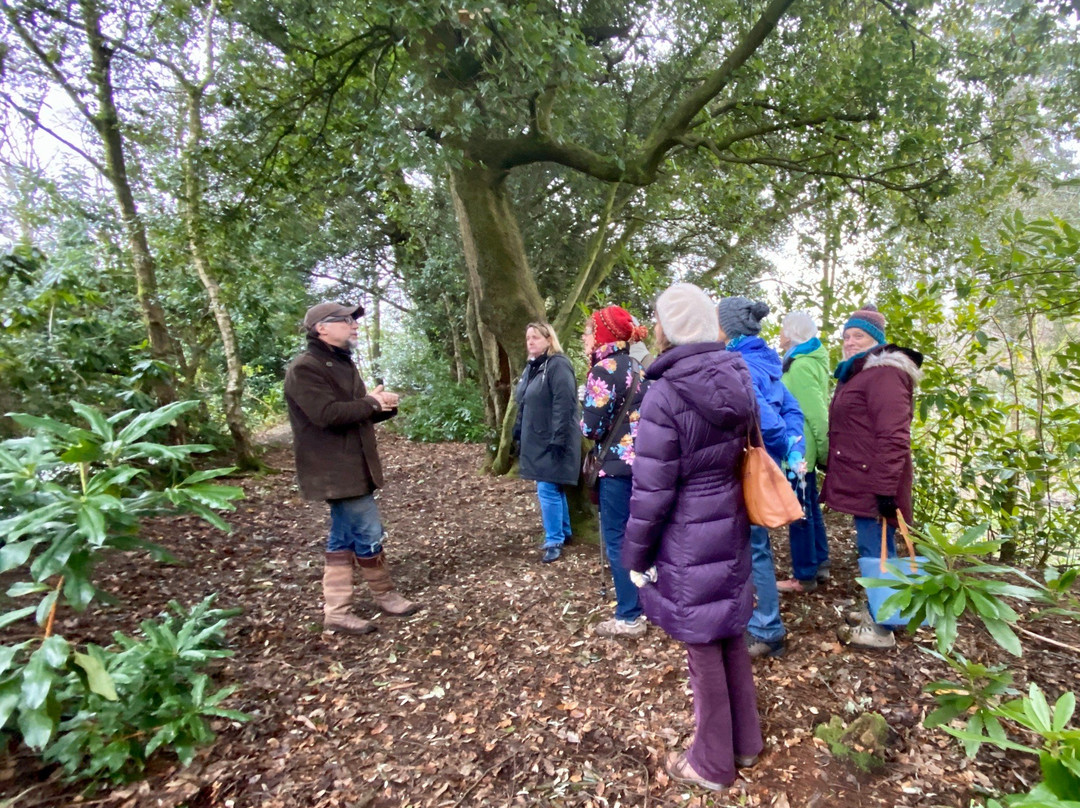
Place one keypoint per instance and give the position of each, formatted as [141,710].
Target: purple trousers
[725,708]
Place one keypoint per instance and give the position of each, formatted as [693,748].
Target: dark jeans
[614,513]
[725,708]
[868,537]
[809,544]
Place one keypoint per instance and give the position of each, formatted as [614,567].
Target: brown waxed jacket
[333,420]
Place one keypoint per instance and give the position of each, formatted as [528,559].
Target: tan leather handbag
[770,499]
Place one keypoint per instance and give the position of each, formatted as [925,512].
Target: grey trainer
[622,628]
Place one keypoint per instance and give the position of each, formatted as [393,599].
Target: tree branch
[791,165]
[47,63]
[32,117]
[663,137]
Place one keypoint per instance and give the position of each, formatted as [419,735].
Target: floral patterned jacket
[605,391]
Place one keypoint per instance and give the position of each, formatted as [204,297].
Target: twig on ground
[1048,640]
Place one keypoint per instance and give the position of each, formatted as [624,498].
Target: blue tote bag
[874,567]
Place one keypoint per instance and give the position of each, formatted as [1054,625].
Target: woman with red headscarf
[613,376]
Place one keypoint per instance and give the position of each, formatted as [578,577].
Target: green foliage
[447,412]
[101,714]
[68,494]
[1059,752]
[996,436]
[437,408]
[953,580]
[862,741]
[65,332]
[956,580]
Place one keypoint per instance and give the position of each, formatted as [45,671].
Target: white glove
[640,579]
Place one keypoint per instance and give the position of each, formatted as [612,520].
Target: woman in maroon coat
[688,539]
[869,472]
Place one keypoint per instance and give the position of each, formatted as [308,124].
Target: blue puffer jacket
[781,417]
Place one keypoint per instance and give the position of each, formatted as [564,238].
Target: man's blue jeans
[868,537]
[614,513]
[554,513]
[355,525]
[765,622]
[809,544]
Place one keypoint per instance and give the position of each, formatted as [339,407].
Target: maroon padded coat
[870,433]
[332,419]
[687,514]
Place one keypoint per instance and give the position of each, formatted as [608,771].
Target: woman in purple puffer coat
[688,538]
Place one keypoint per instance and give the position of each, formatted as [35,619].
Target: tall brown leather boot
[377,575]
[337,585]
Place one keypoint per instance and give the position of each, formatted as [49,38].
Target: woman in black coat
[547,428]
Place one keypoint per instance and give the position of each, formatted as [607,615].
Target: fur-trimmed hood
[905,359]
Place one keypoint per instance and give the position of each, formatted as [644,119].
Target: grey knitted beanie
[741,316]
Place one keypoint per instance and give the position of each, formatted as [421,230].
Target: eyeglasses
[345,319]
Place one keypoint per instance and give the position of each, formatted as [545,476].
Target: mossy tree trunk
[502,290]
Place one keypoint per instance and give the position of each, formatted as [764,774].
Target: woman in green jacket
[806,376]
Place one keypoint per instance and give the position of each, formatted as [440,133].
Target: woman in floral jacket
[607,337]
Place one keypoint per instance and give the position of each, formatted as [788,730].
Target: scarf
[843,370]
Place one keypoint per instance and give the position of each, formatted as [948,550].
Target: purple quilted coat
[687,515]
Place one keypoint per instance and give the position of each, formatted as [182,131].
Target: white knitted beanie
[799,327]
[687,315]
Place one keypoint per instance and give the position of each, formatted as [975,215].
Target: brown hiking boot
[337,595]
[377,575]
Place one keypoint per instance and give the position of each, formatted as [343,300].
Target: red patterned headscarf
[614,324]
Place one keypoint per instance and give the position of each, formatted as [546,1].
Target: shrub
[68,494]
[447,412]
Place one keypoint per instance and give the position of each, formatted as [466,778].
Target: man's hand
[386,399]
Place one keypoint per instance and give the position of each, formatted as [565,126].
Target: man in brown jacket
[333,417]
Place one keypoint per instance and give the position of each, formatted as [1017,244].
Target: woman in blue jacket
[782,429]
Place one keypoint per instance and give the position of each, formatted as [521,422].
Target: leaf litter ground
[497,693]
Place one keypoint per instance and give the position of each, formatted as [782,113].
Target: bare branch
[32,117]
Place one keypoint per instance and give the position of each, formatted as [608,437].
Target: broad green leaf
[7,618]
[55,651]
[10,694]
[45,605]
[55,427]
[97,676]
[1063,710]
[37,681]
[208,474]
[964,735]
[15,554]
[148,421]
[17,590]
[1037,710]
[1003,635]
[91,524]
[95,418]
[36,727]
[7,656]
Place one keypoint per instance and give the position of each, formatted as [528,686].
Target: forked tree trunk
[193,220]
[502,290]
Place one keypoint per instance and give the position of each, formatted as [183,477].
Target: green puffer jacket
[807,376]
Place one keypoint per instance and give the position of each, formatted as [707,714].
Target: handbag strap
[623,411]
[902,524]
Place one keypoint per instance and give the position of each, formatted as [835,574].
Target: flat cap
[321,311]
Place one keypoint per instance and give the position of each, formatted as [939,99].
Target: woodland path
[497,693]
